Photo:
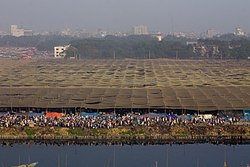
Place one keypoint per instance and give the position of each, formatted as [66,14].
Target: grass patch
[75,132]
[141,132]
[98,132]
[185,133]
[30,132]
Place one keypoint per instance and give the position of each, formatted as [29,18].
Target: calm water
[189,155]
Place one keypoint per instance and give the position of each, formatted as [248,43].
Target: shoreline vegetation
[227,134]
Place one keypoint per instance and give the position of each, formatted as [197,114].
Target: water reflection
[188,155]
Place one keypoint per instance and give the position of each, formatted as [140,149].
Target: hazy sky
[121,15]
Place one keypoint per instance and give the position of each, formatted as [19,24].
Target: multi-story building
[239,31]
[210,33]
[60,51]
[140,30]
[18,32]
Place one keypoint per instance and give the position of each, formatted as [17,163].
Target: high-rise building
[17,32]
[140,30]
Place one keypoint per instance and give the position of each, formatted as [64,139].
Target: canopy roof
[179,98]
[104,84]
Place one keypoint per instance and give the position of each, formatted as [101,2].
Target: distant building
[210,33]
[2,33]
[158,35]
[140,30]
[66,32]
[17,32]
[178,34]
[191,35]
[239,31]
[60,51]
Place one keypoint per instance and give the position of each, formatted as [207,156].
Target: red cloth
[53,114]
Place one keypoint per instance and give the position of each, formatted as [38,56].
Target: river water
[188,155]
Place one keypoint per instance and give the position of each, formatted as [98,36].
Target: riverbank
[169,134]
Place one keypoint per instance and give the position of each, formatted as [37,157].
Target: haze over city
[118,15]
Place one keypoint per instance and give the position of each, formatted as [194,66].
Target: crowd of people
[105,120]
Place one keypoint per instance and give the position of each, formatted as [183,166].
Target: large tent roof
[103,84]
[126,98]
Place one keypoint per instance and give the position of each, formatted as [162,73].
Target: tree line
[140,47]
[41,42]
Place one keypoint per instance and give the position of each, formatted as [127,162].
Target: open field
[100,84]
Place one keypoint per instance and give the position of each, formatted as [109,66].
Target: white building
[17,32]
[140,30]
[60,51]
[239,31]
[158,35]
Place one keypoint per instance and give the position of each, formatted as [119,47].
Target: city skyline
[116,15]
[17,31]
[68,31]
